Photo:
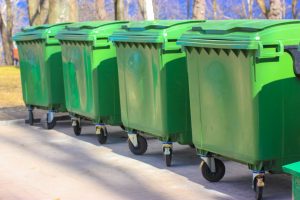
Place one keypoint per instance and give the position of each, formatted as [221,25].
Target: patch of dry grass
[10,87]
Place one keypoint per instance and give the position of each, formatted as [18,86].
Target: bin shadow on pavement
[186,163]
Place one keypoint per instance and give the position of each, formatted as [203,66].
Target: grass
[10,87]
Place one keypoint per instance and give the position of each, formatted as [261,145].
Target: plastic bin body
[294,170]
[90,71]
[41,67]
[153,79]
[244,90]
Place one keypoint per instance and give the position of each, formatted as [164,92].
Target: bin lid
[242,34]
[156,31]
[293,169]
[89,31]
[45,32]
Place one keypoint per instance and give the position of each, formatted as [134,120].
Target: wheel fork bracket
[167,146]
[50,116]
[98,128]
[210,161]
[133,138]
[259,175]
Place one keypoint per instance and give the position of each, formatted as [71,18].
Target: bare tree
[294,8]
[274,12]
[119,10]
[62,11]
[250,9]
[199,8]
[100,8]
[188,3]
[215,9]
[6,26]
[275,9]
[263,8]
[146,8]
[38,11]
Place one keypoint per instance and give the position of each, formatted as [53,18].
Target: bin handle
[263,54]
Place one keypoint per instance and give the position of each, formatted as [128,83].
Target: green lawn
[10,87]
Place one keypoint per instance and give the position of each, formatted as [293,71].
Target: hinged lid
[242,34]
[293,169]
[157,31]
[45,32]
[90,31]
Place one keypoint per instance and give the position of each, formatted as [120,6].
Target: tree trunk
[199,8]
[263,8]
[62,11]
[294,8]
[119,10]
[37,11]
[100,8]
[275,9]
[215,9]
[6,33]
[146,8]
[250,9]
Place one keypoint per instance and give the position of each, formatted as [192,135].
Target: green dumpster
[244,94]
[41,71]
[91,74]
[294,170]
[153,83]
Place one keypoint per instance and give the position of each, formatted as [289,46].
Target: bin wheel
[258,190]
[46,124]
[77,129]
[168,158]
[122,127]
[30,118]
[141,148]
[213,176]
[192,146]
[102,137]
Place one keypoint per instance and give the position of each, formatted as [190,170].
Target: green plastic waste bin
[91,74]
[153,83]
[294,170]
[244,94]
[41,71]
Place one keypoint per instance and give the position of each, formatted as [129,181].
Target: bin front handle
[262,53]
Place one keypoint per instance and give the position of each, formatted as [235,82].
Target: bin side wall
[90,76]
[244,111]
[37,61]
[175,96]
[278,95]
[148,93]
[223,113]
[55,77]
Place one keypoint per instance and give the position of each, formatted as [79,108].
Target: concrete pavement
[40,164]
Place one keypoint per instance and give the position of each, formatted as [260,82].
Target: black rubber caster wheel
[46,124]
[168,158]
[192,146]
[122,127]
[258,190]
[77,129]
[141,148]
[30,118]
[102,137]
[213,176]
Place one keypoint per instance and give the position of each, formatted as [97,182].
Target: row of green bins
[244,94]
[90,75]
[41,71]
[294,170]
[153,83]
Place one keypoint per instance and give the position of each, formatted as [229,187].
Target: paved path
[37,164]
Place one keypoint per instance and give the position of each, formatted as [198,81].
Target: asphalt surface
[40,164]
